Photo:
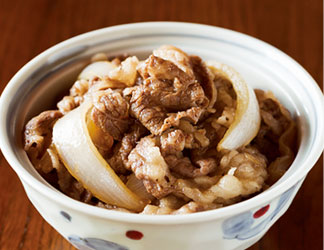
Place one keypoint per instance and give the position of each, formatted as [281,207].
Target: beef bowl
[196,220]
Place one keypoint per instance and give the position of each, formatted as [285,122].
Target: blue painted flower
[94,244]
[240,226]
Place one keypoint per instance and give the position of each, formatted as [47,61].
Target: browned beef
[164,130]
[142,108]
[172,142]
[76,97]
[119,158]
[205,78]
[170,87]
[148,165]
[172,146]
[38,133]
[166,89]
[110,113]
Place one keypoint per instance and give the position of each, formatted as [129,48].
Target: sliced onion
[126,72]
[247,118]
[137,186]
[116,76]
[97,69]
[103,141]
[80,156]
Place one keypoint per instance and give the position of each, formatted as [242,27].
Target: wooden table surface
[29,27]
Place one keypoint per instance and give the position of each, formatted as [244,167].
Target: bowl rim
[65,201]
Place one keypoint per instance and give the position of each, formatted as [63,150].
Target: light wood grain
[29,27]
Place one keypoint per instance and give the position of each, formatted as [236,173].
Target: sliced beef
[170,87]
[172,142]
[276,138]
[176,56]
[158,123]
[188,208]
[172,146]
[241,173]
[150,115]
[184,168]
[110,113]
[119,159]
[205,77]
[38,133]
[76,97]
[167,95]
[78,90]
[148,165]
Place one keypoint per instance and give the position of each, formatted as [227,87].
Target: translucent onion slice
[138,187]
[103,141]
[97,69]
[247,118]
[80,156]
[124,74]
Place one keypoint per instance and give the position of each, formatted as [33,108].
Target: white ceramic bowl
[35,86]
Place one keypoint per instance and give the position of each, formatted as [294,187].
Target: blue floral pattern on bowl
[94,244]
[66,216]
[241,226]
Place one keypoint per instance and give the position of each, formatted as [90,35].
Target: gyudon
[169,135]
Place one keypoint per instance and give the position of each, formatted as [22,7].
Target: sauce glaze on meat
[176,110]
